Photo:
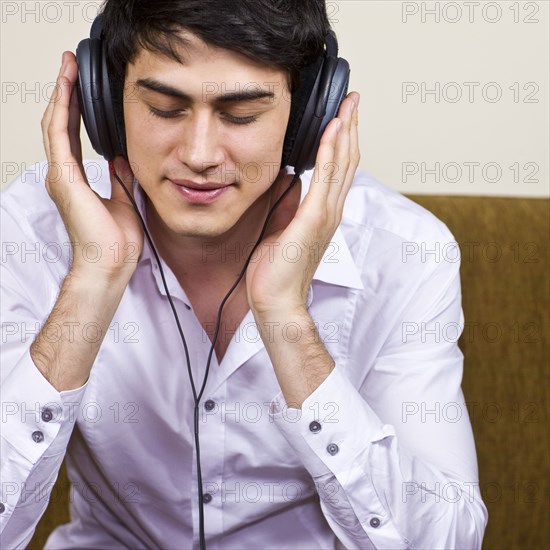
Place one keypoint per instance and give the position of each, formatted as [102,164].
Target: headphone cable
[197,398]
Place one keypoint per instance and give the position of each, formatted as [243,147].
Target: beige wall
[475,144]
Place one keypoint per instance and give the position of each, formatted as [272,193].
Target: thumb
[121,168]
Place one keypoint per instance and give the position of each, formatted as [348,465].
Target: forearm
[66,347]
[299,357]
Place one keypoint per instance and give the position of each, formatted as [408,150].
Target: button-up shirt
[381,454]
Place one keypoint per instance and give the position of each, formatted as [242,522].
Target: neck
[217,260]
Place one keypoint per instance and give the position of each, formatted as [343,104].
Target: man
[319,422]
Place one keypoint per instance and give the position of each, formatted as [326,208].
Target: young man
[318,423]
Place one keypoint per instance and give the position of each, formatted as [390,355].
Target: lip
[201,194]
[200,186]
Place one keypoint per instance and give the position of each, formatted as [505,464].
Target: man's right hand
[106,234]
[94,286]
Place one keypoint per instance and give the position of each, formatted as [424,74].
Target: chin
[197,230]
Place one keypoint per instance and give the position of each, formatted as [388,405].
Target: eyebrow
[164,89]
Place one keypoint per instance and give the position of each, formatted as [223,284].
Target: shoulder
[36,249]
[394,241]
[374,206]
[26,204]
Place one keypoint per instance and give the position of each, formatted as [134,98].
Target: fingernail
[338,125]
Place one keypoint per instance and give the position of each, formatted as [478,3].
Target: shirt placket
[212,433]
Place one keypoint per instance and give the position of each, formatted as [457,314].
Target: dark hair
[288,34]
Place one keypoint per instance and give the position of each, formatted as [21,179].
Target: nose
[201,147]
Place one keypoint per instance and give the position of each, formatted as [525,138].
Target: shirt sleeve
[394,460]
[37,420]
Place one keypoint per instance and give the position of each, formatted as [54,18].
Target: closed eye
[164,114]
[240,120]
[230,118]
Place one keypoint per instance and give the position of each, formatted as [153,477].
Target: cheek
[143,131]
[259,152]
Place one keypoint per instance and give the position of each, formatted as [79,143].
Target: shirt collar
[336,267]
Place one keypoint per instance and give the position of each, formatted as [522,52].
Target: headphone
[322,88]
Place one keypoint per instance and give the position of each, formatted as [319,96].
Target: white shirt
[392,466]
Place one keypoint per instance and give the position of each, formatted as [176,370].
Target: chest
[234,311]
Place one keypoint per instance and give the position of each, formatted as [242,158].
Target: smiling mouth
[200,193]
[200,186]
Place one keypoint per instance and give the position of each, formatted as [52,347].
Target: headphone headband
[322,88]
[97,28]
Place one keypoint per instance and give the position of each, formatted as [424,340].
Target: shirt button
[37,436]
[332,449]
[209,406]
[315,427]
[374,522]
[206,498]
[2,508]
[47,415]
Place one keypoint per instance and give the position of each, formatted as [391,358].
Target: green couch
[505,288]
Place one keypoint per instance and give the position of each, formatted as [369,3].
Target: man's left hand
[297,235]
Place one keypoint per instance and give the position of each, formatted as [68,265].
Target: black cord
[198,397]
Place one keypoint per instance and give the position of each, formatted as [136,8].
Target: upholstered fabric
[506,295]
[506,356]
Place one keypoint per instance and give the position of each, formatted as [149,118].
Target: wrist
[282,313]
[100,280]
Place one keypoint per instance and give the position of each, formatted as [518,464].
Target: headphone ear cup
[95,98]
[300,98]
[96,65]
[316,107]
[111,102]
[322,113]
[85,93]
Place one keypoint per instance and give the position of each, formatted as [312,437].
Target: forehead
[200,64]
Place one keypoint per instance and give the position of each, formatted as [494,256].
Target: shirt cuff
[37,420]
[333,428]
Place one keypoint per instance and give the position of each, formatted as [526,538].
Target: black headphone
[322,88]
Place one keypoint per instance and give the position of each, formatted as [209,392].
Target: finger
[74,114]
[48,113]
[355,157]
[122,169]
[58,129]
[342,151]
[325,166]
[74,127]
[330,177]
